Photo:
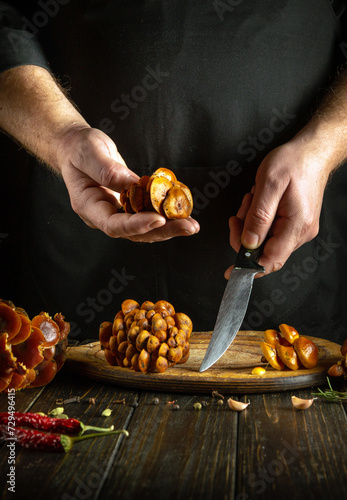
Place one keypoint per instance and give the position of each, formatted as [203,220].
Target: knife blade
[234,304]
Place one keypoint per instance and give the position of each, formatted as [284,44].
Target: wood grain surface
[232,372]
[269,451]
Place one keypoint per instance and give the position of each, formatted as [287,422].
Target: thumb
[112,172]
[97,156]
[259,219]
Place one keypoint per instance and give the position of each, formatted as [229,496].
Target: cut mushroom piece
[158,190]
[164,304]
[144,361]
[29,352]
[336,370]
[166,173]
[272,337]
[289,332]
[307,352]
[10,321]
[8,362]
[271,356]
[24,331]
[183,322]
[129,305]
[176,204]
[288,356]
[161,192]
[136,197]
[186,191]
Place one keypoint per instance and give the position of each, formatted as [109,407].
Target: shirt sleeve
[18,46]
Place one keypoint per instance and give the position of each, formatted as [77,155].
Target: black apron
[206,89]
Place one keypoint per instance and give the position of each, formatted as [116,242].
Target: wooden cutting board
[231,373]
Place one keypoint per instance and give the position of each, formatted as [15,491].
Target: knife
[234,304]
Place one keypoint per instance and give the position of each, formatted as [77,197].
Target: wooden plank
[287,453]
[23,399]
[231,373]
[268,451]
[82,471]
[176,454]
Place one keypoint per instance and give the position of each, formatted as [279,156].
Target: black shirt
[206,89]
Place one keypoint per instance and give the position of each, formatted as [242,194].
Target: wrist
[325,140]
[64,142]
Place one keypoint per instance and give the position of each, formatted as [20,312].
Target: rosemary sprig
[330,394]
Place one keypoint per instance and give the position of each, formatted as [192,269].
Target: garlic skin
[302,404]
[237,405]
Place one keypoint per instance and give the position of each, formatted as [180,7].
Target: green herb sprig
[331,395]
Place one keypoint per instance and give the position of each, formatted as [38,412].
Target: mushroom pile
[160,192]
[289,349]
[31,351]
[148,337]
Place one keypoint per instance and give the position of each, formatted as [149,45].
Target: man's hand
[94,172]
[36,112]
[285,204]
[286,200]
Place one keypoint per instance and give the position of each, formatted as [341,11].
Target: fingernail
[184,232]
[227,274]
[249,239]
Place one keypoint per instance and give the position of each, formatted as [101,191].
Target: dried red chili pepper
[69,426]
[38,440]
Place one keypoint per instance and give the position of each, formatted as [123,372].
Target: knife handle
[248,259]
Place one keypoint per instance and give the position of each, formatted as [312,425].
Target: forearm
[326,133]
[35,112]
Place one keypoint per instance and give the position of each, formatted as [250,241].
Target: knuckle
[277,266]
[260,216]
[110,232]
[76,206]
[106,174]
[309,229]
[274,181]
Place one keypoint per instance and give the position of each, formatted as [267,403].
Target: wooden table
[268,451]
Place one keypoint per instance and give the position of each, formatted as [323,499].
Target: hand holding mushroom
[94,172]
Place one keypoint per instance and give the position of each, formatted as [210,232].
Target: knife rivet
[248,254]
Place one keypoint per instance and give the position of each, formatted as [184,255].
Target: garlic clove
[302,404]
[237,405]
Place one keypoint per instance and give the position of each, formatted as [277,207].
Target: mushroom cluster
[340,368]
[289,349]
[148,337]
[31,351]
[161,192]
